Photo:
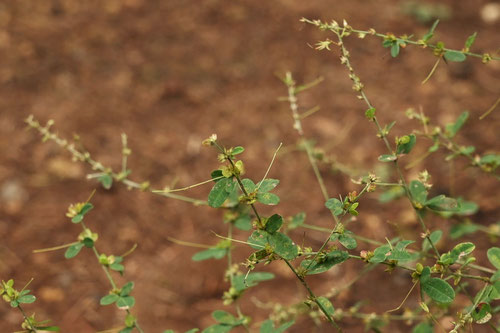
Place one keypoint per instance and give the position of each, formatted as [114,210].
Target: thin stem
[358,86]
[84,156]
[26,319]
[312,295]
[269,167]
[188,187]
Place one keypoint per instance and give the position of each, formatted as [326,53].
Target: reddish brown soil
[169,74]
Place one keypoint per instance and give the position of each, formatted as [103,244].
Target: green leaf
[223,317]
[380,254]
[85,209]
[248,185]
[423,328]
[237,150]
[267,185]
[391,194]
[240,284]
[127,289]
[441,203]
[73,250]
[427,37]
[395,49]
[268,327]
[297,220]
[216,174]
[106,181]
[326,304]
[109,299]
[438,290]
[193,330]
[452,129]
[126,330]
[218,328]
[348,241]
[215,253]
[125,302]
[243,222]
[268,198]
[418,192]
[331,259]
[281,244]
[26,299]
[335,205]
[387,158]
[48,328]
[88,242]
[494,256]
[470,40]
[405,148]
[454,56]
[219,192]
[435,236]
[460,230]
[274,223]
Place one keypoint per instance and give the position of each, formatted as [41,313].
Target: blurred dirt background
[169,74]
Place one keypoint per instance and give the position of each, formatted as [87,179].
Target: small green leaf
[243,222]
[88,242]
[248,185]
[215,253]
[218,328]
[26,299]
[441,203]
[452,129]
[348,241]
[430,34]
[48,328]
[106,181]
[219,192]
[391,194]
[380,254]
[125,302]
[387,158]
[418,192]
[85,209]
[438,290]
[423,328]
[297,220]
[405,148]
[127,289]
[109,299]
[470,40]
[454,56]
[73,250]
[224,317]
[237,150]
[240,284]
[335,205]
[326,304]
[494,256]
[268,198]
[274,223]
[331,259]
[462,229]
[267,185]
[268,327]
[216,174]
[279,243]
[395,49]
